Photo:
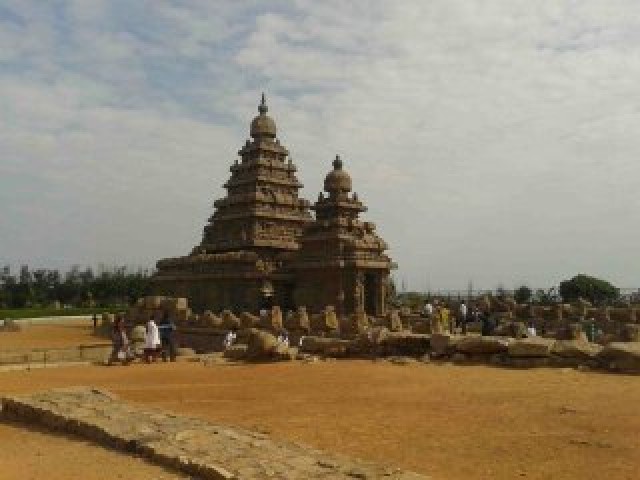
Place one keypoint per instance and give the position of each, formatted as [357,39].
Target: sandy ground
[29,454]
[448,421]
[68,334]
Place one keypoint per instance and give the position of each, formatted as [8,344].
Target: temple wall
[214,294]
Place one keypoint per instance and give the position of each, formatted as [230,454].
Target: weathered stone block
[325,346]
[326,321]
[576,349]
[444,343]
[248,320]
[621,356]
[236,352]
[531,347]
[478,344]
[354,324]
[229,320]
[210,320]
[272,320]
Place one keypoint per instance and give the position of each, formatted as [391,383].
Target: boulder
[630,332]
[138,333]
[236,352]
[229,320]
[573,331]
[248,320]
[326,321]
[334,347]
[261,345]
[405,343]
[475,344]
[443,343]
[185,352]
[272,320]
[354,324]
[284,353]
[181,316]
[209,319]
[530,347]
[297,321]
[175,303]
[511,329]
[153,301]
[575,349]
[623,356]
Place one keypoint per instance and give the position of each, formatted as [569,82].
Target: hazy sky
[493,141]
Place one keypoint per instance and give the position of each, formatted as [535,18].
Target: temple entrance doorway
[370,294]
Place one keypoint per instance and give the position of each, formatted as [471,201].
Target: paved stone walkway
[193,446]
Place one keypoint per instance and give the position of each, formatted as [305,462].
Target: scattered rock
[236,352]
[531,347]
[485,345]
[576,349]
[623,356]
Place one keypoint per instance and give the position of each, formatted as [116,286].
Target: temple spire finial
[262,108]
[337,163]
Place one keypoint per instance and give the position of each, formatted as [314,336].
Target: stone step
[193,446]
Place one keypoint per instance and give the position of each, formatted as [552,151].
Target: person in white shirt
[531,330]
[462,317]
[152,343]
[230,338]
[427,310]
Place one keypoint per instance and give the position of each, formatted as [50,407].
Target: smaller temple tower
[341,261]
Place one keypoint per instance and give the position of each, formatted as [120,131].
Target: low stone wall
[87,353]
[192,446]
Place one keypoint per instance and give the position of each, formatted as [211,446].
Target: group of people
[158,341]
[441,314]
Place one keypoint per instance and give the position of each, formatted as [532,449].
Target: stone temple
[262,246]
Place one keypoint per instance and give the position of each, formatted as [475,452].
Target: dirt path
[451,422]
[34,455]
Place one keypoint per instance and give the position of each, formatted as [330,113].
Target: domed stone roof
[263,125]
[337,180]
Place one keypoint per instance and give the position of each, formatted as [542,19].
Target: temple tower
[262,211]
[341,261]
[241,261]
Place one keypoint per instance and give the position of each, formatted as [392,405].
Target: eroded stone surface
[194,446]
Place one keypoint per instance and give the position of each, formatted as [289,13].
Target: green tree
[593,289]
[523,294]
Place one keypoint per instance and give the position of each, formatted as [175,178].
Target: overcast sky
[493,141]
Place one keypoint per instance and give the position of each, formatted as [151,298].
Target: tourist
[230,338]
[166,328]
[121,351]
[95,322]
[283,338]
[427,310]
[487,324]
[152,343]
[531,330]
[462,317]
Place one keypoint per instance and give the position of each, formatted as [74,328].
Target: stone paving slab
[193,446]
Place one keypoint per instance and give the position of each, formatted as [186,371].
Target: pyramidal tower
[241,261]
